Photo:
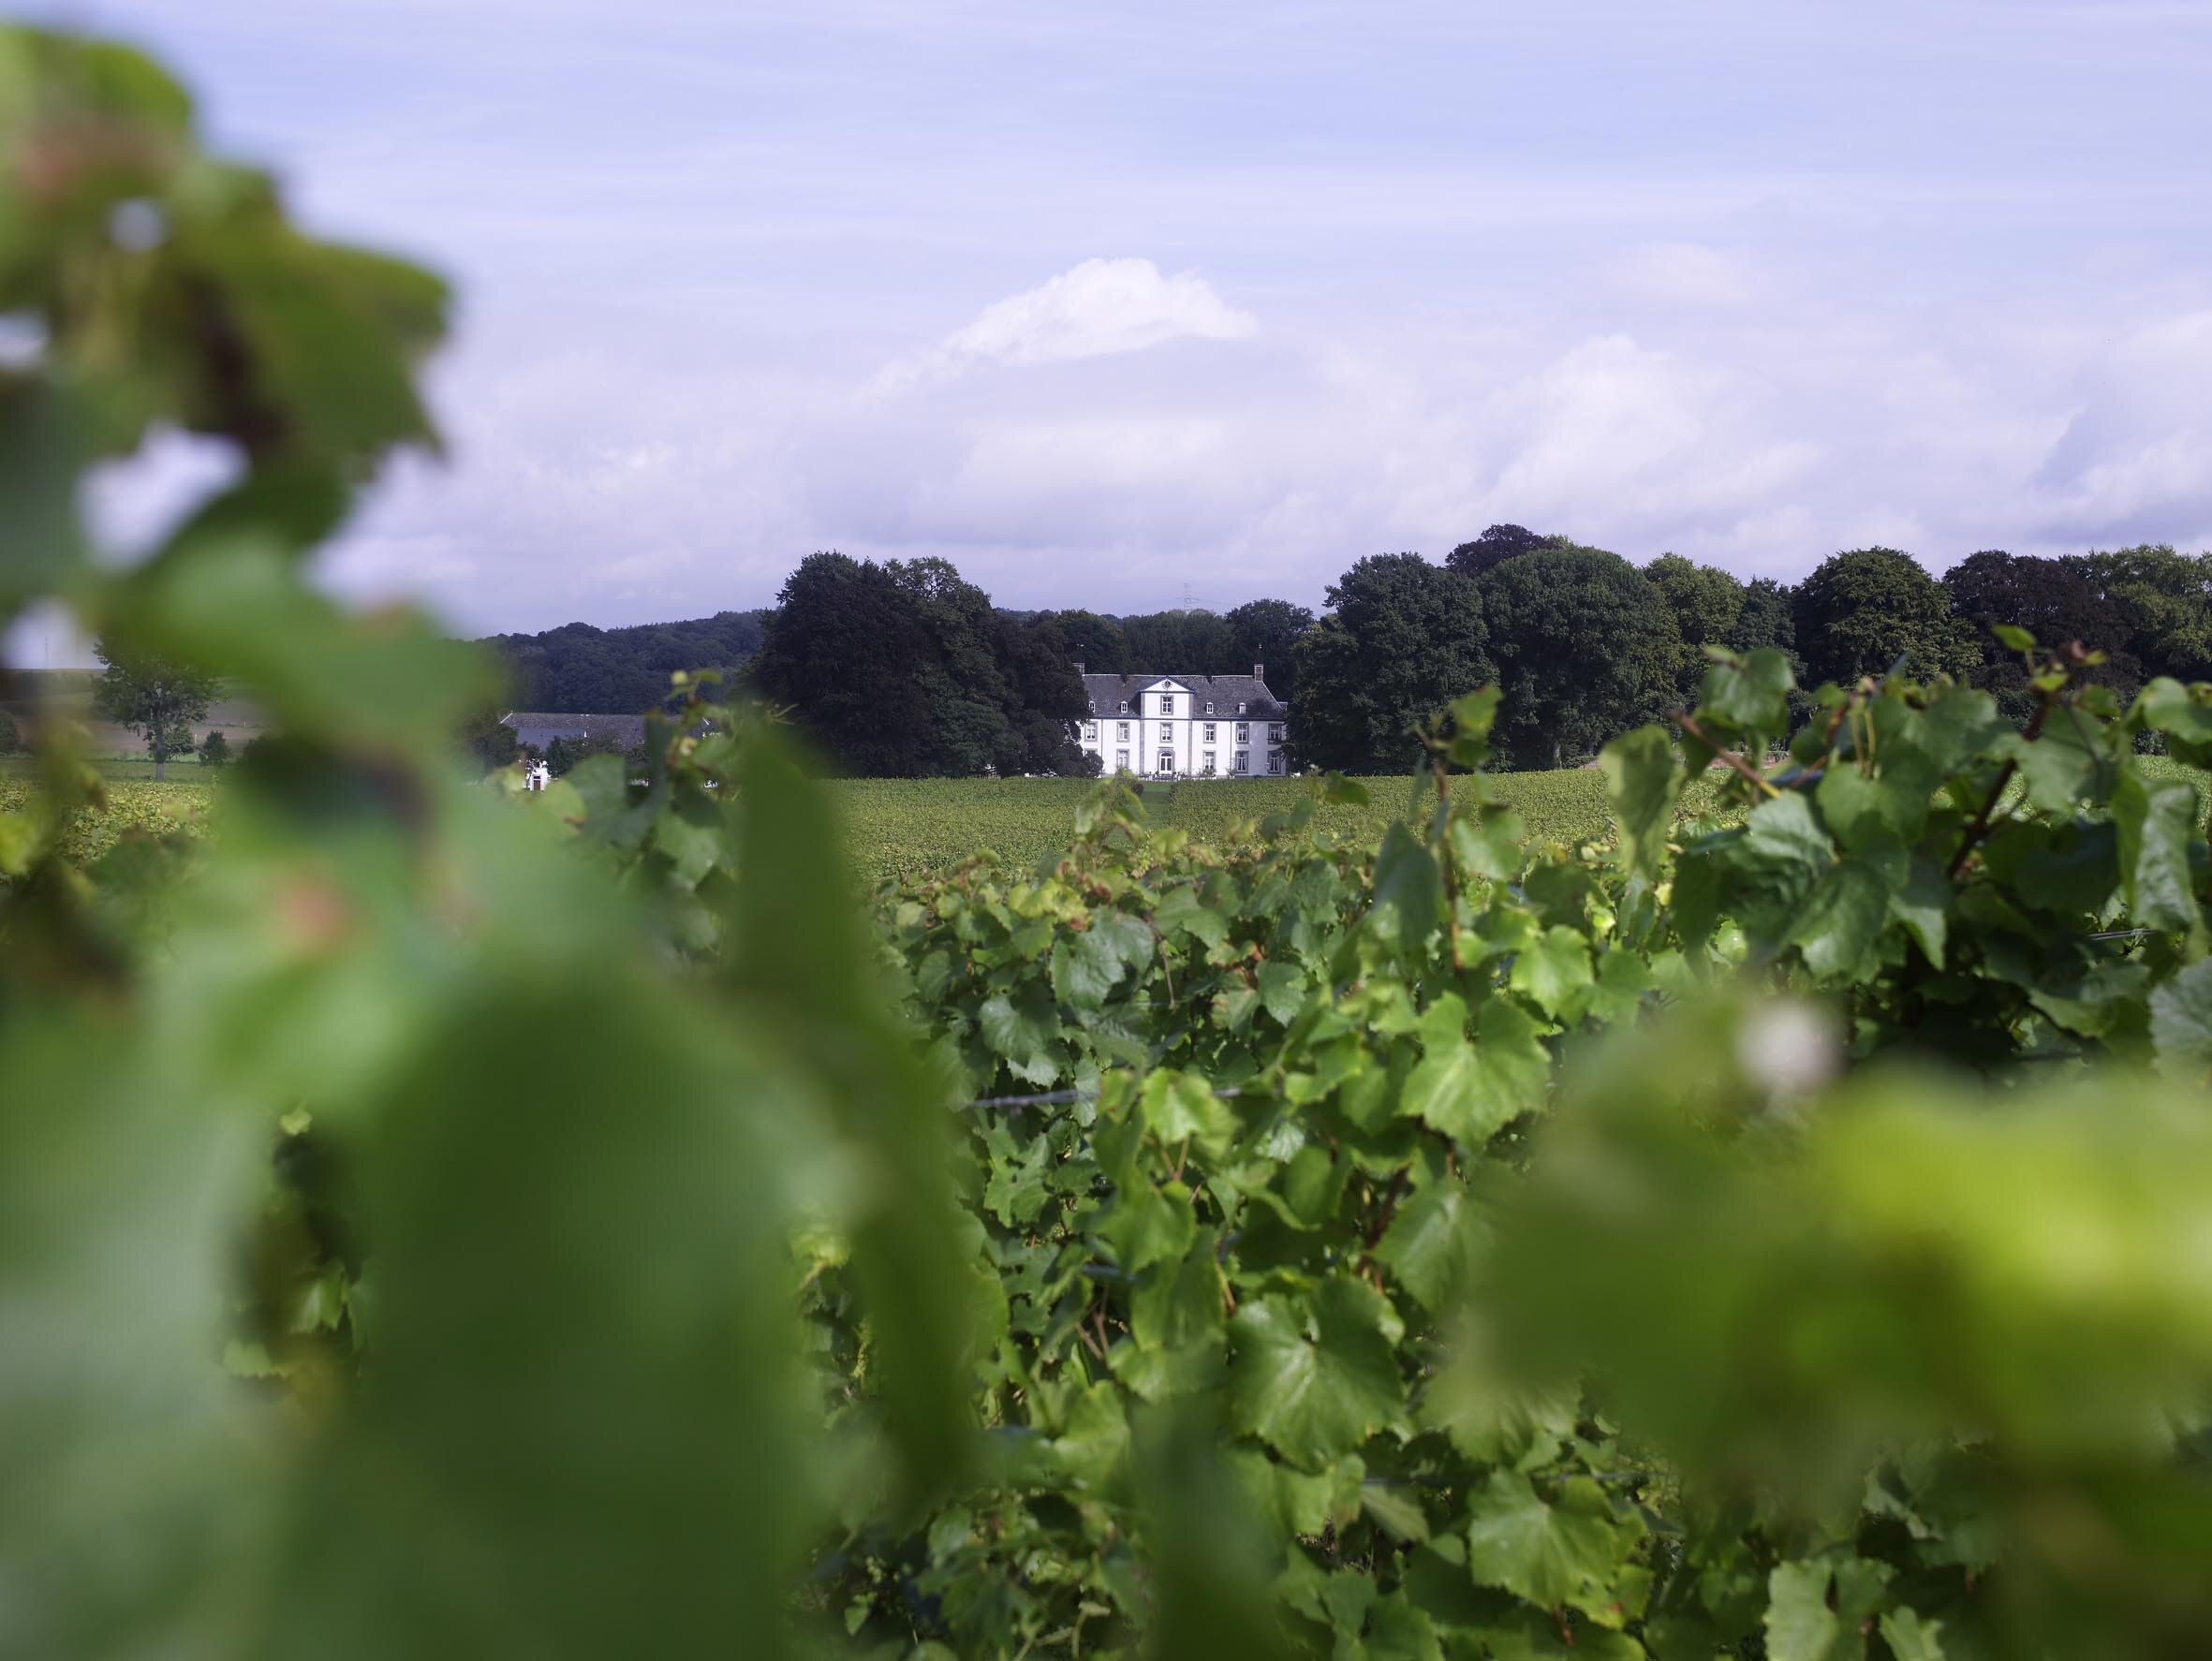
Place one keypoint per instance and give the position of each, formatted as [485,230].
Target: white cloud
[1097,309]
[1687,273]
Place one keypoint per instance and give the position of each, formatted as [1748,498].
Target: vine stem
[1980,828]
[1689,723]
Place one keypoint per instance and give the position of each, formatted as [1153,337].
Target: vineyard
[916,828]
[91,828]
[1705,1208]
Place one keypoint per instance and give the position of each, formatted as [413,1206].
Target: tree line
[1584,645]
[579,669]
[903,668]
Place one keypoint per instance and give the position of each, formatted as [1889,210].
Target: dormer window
[1240,706]
[1209,706]
[1125,706]
[1091,704]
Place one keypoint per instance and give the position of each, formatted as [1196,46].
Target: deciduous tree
[151,694]
[2056,601]
[1707,604]
[1495,545]
[1586,649]
[1268,632]
[1402,637]
[1863,610]
[2169,596]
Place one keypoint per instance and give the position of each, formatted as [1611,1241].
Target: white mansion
[1184,726]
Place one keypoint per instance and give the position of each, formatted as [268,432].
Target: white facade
[1184,726]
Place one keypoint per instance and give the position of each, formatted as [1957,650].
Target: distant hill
[577,668]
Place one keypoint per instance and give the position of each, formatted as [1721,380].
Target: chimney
[1258,671]
[1078,666]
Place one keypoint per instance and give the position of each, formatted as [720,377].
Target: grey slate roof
[532,728]
[1106,693]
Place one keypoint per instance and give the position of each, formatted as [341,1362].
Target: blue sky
[1115,303]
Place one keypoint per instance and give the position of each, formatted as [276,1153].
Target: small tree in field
[10,740]
[214,749]
[156,696]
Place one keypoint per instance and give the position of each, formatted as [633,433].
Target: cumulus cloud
[1097,309]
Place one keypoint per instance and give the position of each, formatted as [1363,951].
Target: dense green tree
[485,739]
[1863,610]
[1039,667]
[1268,632]
[1586,648]
[1402,639]
[1096,642]
[214,749]
[1768,619]
[156,696]
[579,669]
[1707,603]
[1497,545]
[10,740]
[845,650]
[1180,642]
[904,670]
[2056,601]
[2169,596]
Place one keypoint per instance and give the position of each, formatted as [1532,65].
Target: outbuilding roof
[540,729]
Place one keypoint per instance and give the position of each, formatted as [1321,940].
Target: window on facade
[1090,729]
[1206,764]
[1274,732]
[1243,761]
[1209,733]
[1275,762]
[1122,731]
[1121,761]
[1167,703]
[1243,732]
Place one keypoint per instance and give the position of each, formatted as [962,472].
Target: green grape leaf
[1490,843]
[1282,990]
[2181,1021]
[1752,696]
[1800,1625]
[2183,714]
[1096,1439]
[1909,1638]
[1145,1226]
[1842,918]
[1642,782]
[1315,1397]
[1553,1554]
[1409,892]
[2157,822]
[1471,1091]
[1426,1244]
[1553,969]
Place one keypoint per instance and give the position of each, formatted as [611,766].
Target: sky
[1134,305]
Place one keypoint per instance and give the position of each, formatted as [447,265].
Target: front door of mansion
[1167,761]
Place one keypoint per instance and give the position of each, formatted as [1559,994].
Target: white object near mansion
[1189,726]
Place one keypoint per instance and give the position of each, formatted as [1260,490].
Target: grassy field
[917,827]
[182,768]
[911,828]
